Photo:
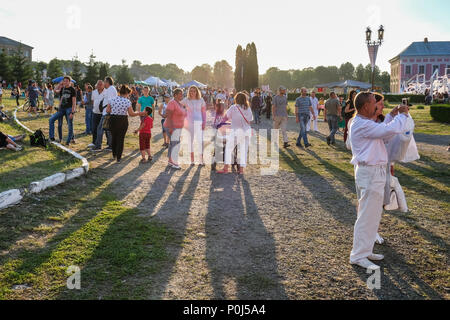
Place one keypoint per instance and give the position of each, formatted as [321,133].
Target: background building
[421,58]
[10,46]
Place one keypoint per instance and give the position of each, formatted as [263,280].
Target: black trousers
[268,111]
[119,127]
[95,122]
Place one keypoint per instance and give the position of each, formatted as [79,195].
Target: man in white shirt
[110,92]
[315,106]
[98,96]
[370,160]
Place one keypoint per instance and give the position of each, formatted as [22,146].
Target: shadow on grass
[240,252]
[394,288]
[78,237]
[398,280]
[175,212]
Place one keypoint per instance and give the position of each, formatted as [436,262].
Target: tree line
[310,77]
[16,67]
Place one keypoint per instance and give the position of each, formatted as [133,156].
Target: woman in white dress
[196,121]
[241,116]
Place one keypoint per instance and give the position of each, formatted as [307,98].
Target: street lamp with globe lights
[373,49]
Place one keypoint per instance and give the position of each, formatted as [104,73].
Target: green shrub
[416,98]
[440,112]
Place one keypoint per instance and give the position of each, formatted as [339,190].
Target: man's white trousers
[370,184]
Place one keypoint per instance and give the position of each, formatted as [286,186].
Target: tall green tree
[92,71]
[104,71]
[223,74]
[38,68]
[124,75]
[203,73]
[360,73]
[239,69]
[5,67]
[21,66]
[252,66]
[54,69]
[76,73]
[346,71]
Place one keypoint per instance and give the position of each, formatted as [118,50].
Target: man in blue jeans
[67,108]
[303,111]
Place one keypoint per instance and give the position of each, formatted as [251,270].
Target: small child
[145,134]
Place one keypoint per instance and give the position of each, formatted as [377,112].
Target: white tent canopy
[194,83]
[156,82]
[170,83]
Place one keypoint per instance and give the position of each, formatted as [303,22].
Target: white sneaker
[379,239]
[375,257]
[29,115]
[366,264]
[91,145]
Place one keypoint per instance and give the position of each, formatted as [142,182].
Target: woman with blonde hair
[196,120]
[241,116]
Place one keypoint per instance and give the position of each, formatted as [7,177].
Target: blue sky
[289,34]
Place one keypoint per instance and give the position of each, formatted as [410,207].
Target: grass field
[18,169]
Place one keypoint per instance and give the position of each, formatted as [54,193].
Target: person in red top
[145,135]
[175,120]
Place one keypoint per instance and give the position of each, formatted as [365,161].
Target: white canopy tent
[155,82]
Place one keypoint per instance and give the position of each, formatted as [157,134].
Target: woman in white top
[119,109]
[196,120]
[241,116]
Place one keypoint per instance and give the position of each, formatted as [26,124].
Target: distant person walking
[280,114]
[88,106]
[315,106]
[332,113]
[349,111]
[256,106]
[268,100]
[303,111]
[49,99]
[162,112]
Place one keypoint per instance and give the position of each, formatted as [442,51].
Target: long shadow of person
[240,252]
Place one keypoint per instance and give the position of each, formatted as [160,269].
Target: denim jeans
[59,116]
[256,116]
[304,119]
[333,125]
[88,120]
[98,143]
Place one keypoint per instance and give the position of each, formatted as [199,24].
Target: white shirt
[237,120]
[97,98]
[194,109]
[110,93]
[366,139]
[314,103]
